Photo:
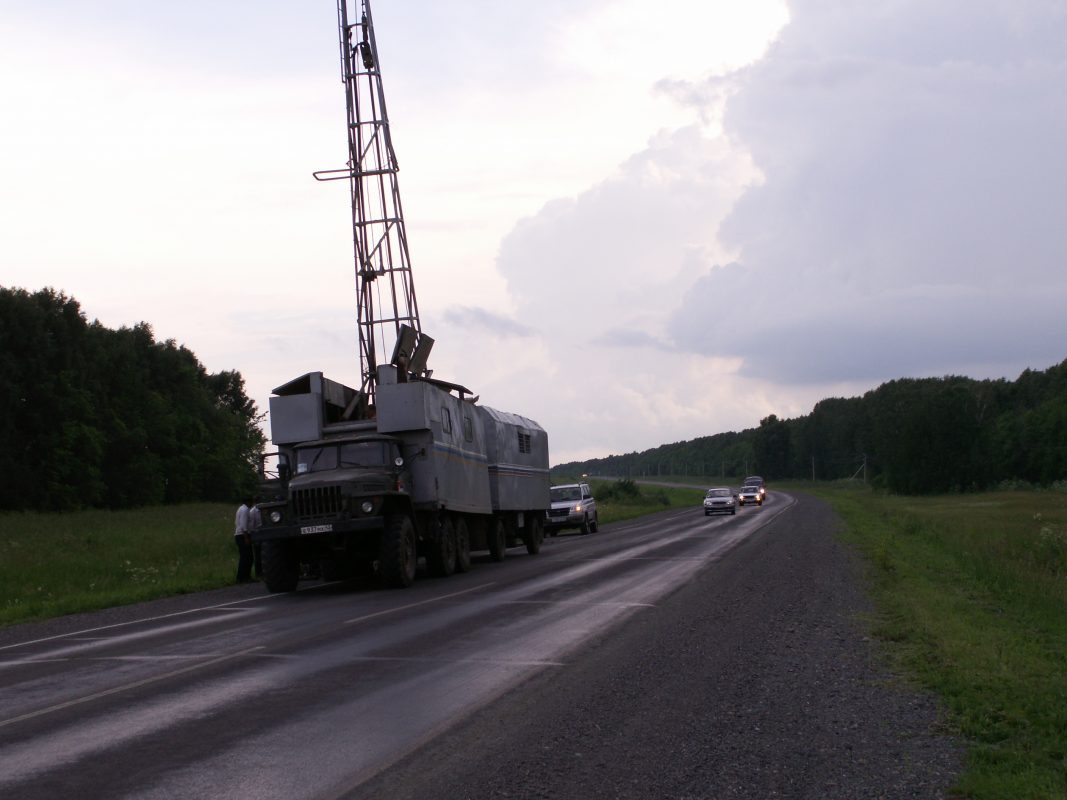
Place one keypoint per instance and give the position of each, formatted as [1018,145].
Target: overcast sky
[635,224]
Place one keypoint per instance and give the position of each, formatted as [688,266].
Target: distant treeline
[919,436]
[91,416]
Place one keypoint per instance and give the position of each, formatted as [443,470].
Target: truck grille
[318,501]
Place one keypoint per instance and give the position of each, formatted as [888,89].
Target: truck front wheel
[396,557]
[281,565]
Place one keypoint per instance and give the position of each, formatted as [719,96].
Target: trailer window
[524,443]
[446,421]
[468,429]
[364,454]
[316,459]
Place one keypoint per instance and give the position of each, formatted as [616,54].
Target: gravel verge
[756,680]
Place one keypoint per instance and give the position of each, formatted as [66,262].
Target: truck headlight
[275,516]
[367,506]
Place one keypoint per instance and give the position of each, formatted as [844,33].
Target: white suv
[573,506]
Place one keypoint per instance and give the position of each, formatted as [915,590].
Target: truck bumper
[316,528]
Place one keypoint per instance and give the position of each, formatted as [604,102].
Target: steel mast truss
[382,264]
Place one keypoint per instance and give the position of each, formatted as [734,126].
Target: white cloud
[910,221]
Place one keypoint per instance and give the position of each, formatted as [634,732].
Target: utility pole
[813,469]
[864,469]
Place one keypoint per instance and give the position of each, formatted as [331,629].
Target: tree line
[915,436]
[96,417]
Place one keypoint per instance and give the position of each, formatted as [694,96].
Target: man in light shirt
[243,540]
[255,520]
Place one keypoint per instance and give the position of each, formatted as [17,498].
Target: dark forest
[917,436]
[96,417]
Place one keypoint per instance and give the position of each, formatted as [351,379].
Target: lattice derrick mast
[384,281]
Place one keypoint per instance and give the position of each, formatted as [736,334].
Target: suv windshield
[562,494]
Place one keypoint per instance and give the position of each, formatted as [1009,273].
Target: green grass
[54,564]
[971,592]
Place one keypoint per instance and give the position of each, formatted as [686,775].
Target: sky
[633,224]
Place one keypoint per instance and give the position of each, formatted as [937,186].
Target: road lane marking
[420,603]
[224,606]
[127,687]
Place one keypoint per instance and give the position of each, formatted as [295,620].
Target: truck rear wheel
[441,558]
[533,536]
[497,540]
[396,557]
[281,565]
[463,546]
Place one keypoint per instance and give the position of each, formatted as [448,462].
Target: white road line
[128,686]
[420,603]
[161,616]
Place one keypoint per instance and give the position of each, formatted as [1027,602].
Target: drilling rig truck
[407,465]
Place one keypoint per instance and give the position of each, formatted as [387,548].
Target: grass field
[54,564]
[971,592]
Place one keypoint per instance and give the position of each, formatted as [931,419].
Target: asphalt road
[312,693]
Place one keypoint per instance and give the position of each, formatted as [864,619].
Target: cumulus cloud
[910,220]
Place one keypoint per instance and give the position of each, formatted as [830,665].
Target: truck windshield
[364,454]
[316,459]
[566,493]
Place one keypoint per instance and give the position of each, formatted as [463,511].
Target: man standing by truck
[243,539]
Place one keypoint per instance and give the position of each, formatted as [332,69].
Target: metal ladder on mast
[388,310]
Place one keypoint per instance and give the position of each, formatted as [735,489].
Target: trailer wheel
[396,557]
[463,546]
[281,565]
[534,536]
[497,540]
[596,522]
[441,558]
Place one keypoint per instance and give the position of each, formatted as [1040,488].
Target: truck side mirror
[283,468]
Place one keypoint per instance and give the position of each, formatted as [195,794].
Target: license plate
[317,529]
